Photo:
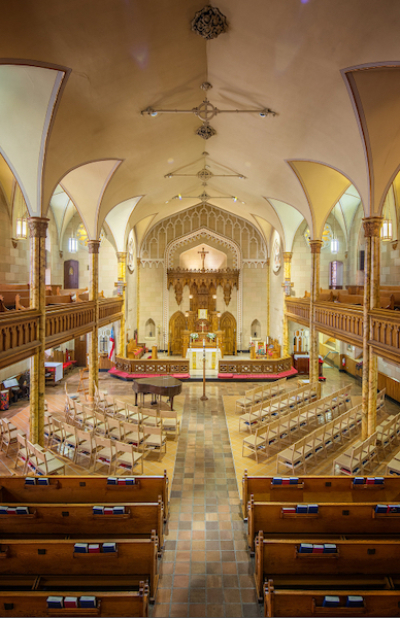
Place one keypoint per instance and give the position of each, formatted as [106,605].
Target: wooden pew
[114,603]
[318,489]
[353,557]
[78,520]
[134,558]
[356,519]
[292,602]
[85,490]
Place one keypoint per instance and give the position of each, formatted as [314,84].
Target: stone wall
[254,281]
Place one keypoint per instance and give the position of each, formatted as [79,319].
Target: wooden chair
[105,452]
[155,438]
[22,452]
[9,435]
[256,442]
[47,464]
[127,457]
[170,422]
[85,444]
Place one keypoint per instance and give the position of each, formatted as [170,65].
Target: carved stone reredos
[209,22]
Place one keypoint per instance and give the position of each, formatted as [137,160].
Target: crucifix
[202,327]
[203,254]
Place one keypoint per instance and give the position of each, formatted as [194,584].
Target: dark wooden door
[177,324]
[71,274]
[228,325]
[80,351]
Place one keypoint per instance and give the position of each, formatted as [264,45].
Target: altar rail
[345,322]
[19,329]
[160,366]
[247,366]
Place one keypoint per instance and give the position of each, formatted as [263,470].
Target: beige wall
[151,297]
[254,282]
[276,300]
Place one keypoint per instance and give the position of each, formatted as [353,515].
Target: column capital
[287,257]
[315,246]
[37,227]
[372,226]
[121,255]
[93,246]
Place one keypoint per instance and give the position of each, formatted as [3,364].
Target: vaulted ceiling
[72,119]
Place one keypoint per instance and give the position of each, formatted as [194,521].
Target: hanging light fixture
[386,227]
[21,231]
[334,241]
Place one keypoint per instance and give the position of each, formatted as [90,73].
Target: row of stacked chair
[258,394]
[81,543]
[296,420]
[315,557]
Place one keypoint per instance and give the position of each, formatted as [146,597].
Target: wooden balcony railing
[385,333]
[19,329]
[18,336]
[298,310]
[344,322]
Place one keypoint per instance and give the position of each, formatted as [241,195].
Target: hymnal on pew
[81,548]
[55,602]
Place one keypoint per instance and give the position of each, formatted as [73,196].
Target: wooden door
[228,325]
[71,274]
[177,324]
[80,351]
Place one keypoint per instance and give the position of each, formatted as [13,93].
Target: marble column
[287,266]
[372,227]
[37,236]
[315,246]
[268,297]
[94,247]
[122,278]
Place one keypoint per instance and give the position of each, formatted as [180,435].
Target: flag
[112,343]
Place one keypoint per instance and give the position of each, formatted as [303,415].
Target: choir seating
[135,559]
[259,393]
[317,489]
[282,598]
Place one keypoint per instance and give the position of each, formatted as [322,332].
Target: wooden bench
[114,603]
[319,489]
[133,558]
[86,490]
[346,557]
[356,519]
[78,520]
[292,602]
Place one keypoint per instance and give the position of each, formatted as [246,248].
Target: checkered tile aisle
[206,569]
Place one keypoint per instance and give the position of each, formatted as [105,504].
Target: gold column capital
[93,246]
[315,246]
[38,226]
[287,257]
[372,226]
[121,255]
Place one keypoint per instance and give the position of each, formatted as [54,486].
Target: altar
[195,357]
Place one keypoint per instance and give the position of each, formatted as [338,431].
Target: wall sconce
[190,296]
[21,230]
[72,244]
[387,230]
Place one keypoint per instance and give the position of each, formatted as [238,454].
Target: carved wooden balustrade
[19,329]
[385,333]
[345,322]
[18,336]
[298,310]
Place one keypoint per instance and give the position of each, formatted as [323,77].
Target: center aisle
[206,569]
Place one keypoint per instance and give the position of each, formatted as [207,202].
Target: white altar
[195,356]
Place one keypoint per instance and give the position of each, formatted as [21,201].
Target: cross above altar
[203,254]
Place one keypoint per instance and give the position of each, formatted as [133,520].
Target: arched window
[256,329]
[150,328]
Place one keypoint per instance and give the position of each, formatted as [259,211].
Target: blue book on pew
[277,480]
[112,480]
[330,548]
[293,480]
[22,510]
[330,601]
[313,508]
[109,548]
[3,509]
[98,510]
[87,601]
[130,481]
[381,508]
[302,508]
[81,548]
[394,508]
[30,480]
[355,601]
[358,480]
[306,548]
[119,510]
[55,602]
[43,481]
[379,480]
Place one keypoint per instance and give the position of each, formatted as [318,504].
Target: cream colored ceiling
[125,56]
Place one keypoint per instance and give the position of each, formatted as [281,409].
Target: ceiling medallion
[205,131]
[205,174]
[209,22]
